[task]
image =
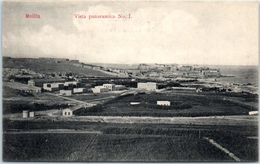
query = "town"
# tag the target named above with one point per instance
(65, 92)
(144, 78)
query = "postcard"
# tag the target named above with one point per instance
(130, 81)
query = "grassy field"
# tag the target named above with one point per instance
(91, 96)
(15, 103)
(127, 142)
(40, 66)
(181, 105)
(90, 147)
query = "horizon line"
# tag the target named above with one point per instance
(133, 63)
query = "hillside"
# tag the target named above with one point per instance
(43, 66)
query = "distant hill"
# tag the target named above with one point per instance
(52, 65)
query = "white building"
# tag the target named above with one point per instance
(99, 89)
(66, 92)
(149, 86)
(79, 90)
(67, 113)
(164, 103)
(25, 113)
(31, 114)
(71, 83)
(211, 73)
(253, 113)
(110, 87)
(52, 86)
(40, 82)
(135, 103)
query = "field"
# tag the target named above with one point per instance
(125, 142)
(38, 65)
(88, 97)
(90, 147)
(182, 104)
(15, 103)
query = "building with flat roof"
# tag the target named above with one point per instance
(149, 86)
(79, 90)
(135, 103)
(100, 89)
(40, 82)
(31, 114)
(71, 83)
(67, 112)
(25, 113)
(110, 87)
(211, 73)
(253, 112)
(53, 86)
(23, 87)
(164, 103)
(66, 92)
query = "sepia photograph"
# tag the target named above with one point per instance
(130, 81)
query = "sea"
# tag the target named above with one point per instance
(244, 78)
(239, 74)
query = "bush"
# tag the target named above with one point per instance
(87, 111)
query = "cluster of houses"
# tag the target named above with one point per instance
(149, 86)
(52, 85)
(67, 88)
(23, 87)
(190, 71)
(152, 86)
(162, 71)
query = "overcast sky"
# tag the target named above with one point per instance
(219, 33)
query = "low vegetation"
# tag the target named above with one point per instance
(19, 106)
(126, 142)
(181, 105)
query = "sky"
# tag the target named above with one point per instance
(181, 32)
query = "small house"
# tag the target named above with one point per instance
(67, 113)
(164, 103)
(31, 114)
(66, 92)
(110, 87)
(40, 82)
(149, 86)
(99, 89)
(71, 84)
(252, 113)
(25, 113)
(79, 90)
(135, 103)
(52, 86)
